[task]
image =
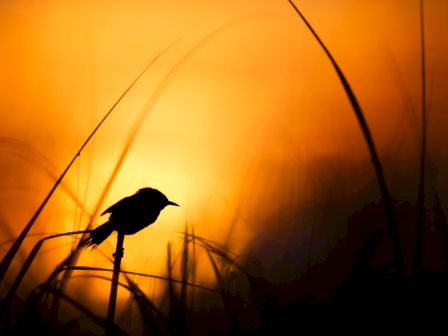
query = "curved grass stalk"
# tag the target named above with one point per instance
(7, 259)
(27, 264)
(87, 312)
(28, 236)
(151, 315)
(101, 277)
(28, 153)
(418, 250)
(391, 221)
(71, 260)
(146, 275)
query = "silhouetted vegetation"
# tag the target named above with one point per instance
(386, 272)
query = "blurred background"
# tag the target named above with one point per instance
(242, 121)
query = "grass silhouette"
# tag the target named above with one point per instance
(176, 299)
(392, 223)
(27, 264)
(138, 122)
(248, 303)
(417, 259)
(7, 259)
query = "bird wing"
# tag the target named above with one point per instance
(122, 204)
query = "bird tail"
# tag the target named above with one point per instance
(98, 235)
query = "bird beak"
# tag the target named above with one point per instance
(172, 203)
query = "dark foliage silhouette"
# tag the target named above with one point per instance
(130, 215)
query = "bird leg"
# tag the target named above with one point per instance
(118, 253)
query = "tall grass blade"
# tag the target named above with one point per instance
(9, 241)
(225, 254)
(173, 302)
(118, 255)
(101, 277)
(171, 292)
(141, 118)
(225, 297)
(392, 223)
(153, 318)
(74, 255)
(83, 309)
(7, 259)
(216, 271)
(418, 250)
(53, 276)
(27, 264)
(30, 154)
(193, 265)
(185, 270)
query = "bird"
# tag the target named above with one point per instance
(130, 215)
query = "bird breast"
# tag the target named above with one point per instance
(134, 221)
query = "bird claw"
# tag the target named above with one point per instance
(118, 254)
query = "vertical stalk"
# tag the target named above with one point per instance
(139, 122)
(114, 285)
(418, 251)
(7, 259)
(185, 270)
(27, 264)
(193, 265)
(171, 292)
(391, 221)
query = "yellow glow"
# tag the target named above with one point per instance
(259, 96)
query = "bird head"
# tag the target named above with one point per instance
(156, 197)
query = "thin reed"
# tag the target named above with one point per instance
(418, 250)
(7, 259)
(258, 307)
(392, 223)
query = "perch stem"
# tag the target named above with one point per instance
(388, 204)
(114, 285)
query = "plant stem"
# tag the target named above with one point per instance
(138, 122)
(27, 264)
(7, 259)
(114, 285)
(391, 221)
(417, 259)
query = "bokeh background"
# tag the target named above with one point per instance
(242, 121)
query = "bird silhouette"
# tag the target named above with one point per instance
(130, 215)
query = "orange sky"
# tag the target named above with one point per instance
(255, 106)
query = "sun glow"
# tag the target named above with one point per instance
(242, 106)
